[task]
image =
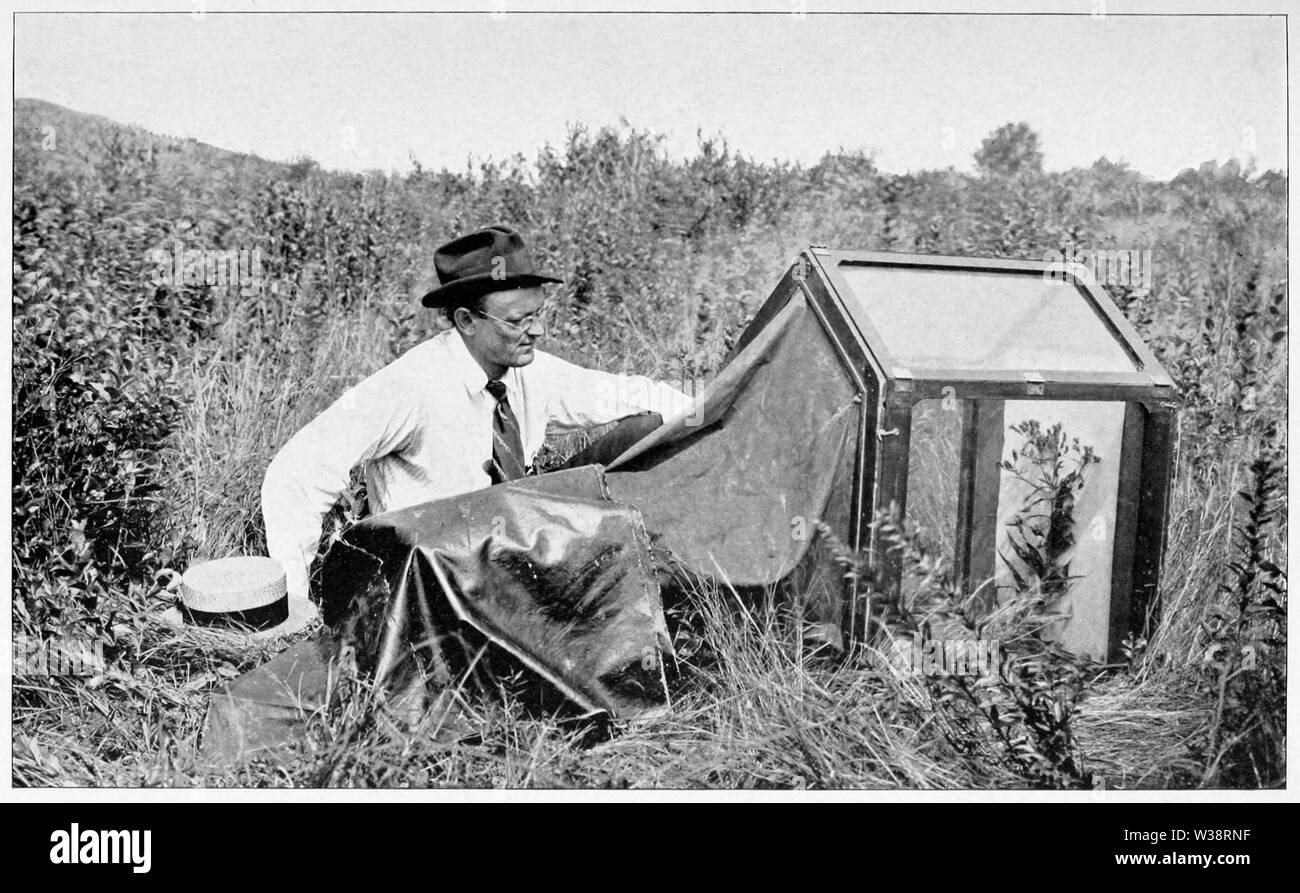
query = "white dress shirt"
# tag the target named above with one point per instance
(422, 426)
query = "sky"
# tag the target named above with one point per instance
(367, 91)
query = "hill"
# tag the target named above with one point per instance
(77, 138)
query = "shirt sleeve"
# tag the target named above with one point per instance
(583, 398)
(311, 471)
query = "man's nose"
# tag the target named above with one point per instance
(536, 327)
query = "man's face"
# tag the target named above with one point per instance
(508, 339)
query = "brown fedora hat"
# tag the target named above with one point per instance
(486, 260)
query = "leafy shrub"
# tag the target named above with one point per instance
(1014, 714)
(1244, 668)
(95, 394)
(1042, 530)
(1024, 705)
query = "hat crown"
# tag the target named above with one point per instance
(496, 251)
(236, 583)
(490, 259)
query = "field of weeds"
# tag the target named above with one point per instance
(147, 407)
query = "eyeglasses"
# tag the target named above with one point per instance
(524, 323)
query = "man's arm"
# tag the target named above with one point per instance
(584, 398)
(311, 471)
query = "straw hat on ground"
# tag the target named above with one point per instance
(242, 597)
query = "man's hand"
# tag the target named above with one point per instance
(305, 605)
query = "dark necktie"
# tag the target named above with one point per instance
(507, 445)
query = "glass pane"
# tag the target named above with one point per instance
(1067, 524)
(948, 319)
(933, 468)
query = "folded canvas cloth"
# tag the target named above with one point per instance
(548, 568)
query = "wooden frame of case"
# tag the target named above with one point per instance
(888, 393)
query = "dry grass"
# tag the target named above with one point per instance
(1135, 734)
(753, 708)
(246, 404)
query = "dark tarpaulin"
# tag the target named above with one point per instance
(261, 711)
(733, 491)
(548, 568)
(557, 568)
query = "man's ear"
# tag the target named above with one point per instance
(463, 319)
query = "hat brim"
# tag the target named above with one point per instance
(301, 613)
(481, 284)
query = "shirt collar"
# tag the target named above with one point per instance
(470, 372)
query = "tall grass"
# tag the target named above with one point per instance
(665, 261)
(247, 405)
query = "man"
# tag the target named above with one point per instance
(466, 409)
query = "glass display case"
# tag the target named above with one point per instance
(1008, 411)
